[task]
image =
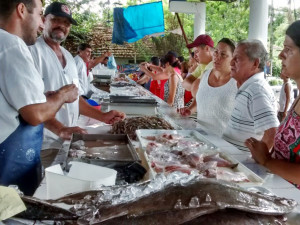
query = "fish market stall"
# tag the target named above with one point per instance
(191, 176)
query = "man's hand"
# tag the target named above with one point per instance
(107, 54)
(66, 132)
(69, 93)
(259, 150)
(112, 116)
(184, 111)
(284, 114)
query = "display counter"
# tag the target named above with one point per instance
(271, 182)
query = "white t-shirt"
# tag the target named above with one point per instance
(282, 96)
(87, 88)
(55, 77)
(82, 75)
(215, 104)
(20, 82)
(254, 112)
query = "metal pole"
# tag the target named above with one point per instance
(183, 33)
(271, 38)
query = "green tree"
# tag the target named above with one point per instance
(223, 20)
(229, 20)
(281, 19)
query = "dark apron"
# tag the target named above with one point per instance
(20, 162)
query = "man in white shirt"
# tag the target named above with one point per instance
(254, 114)
(82, 60)
(24, 106)
(58, 68)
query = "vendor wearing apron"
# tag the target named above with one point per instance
(24, 106)
(20, 157)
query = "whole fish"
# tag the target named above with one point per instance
(41, 210)
(198, 193)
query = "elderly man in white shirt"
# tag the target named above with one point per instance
(254, 114)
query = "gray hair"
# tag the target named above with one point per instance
(255, 49)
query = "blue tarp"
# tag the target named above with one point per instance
(135, 22)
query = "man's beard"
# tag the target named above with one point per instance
(57, 39)
(52, 35)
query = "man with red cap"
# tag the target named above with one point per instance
(203, 47)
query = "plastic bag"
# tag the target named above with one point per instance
(111, 64)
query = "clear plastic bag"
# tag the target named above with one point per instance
(111, 64)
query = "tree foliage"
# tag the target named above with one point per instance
(229, 20)
(223, 20)
(281, 20)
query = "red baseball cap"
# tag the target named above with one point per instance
(202, 39)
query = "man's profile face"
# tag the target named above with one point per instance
(241, 65)
(200, 53)
(33, 23)
(86, 54)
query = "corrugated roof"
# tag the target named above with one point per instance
(100, 41)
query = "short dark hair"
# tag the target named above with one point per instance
(82, 47)
(8, 6)
(171, 58)
(228, 42)
(293, 32)
(162, 62)
(172, 53)
(155, 60)
(180, 58)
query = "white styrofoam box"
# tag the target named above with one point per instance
(81, 177)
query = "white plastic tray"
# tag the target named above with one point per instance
(188, 135)
(254, 179)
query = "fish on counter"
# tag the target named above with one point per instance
(179, 195)
(197, 194)
(171, 155)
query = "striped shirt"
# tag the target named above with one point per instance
(254, 112)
